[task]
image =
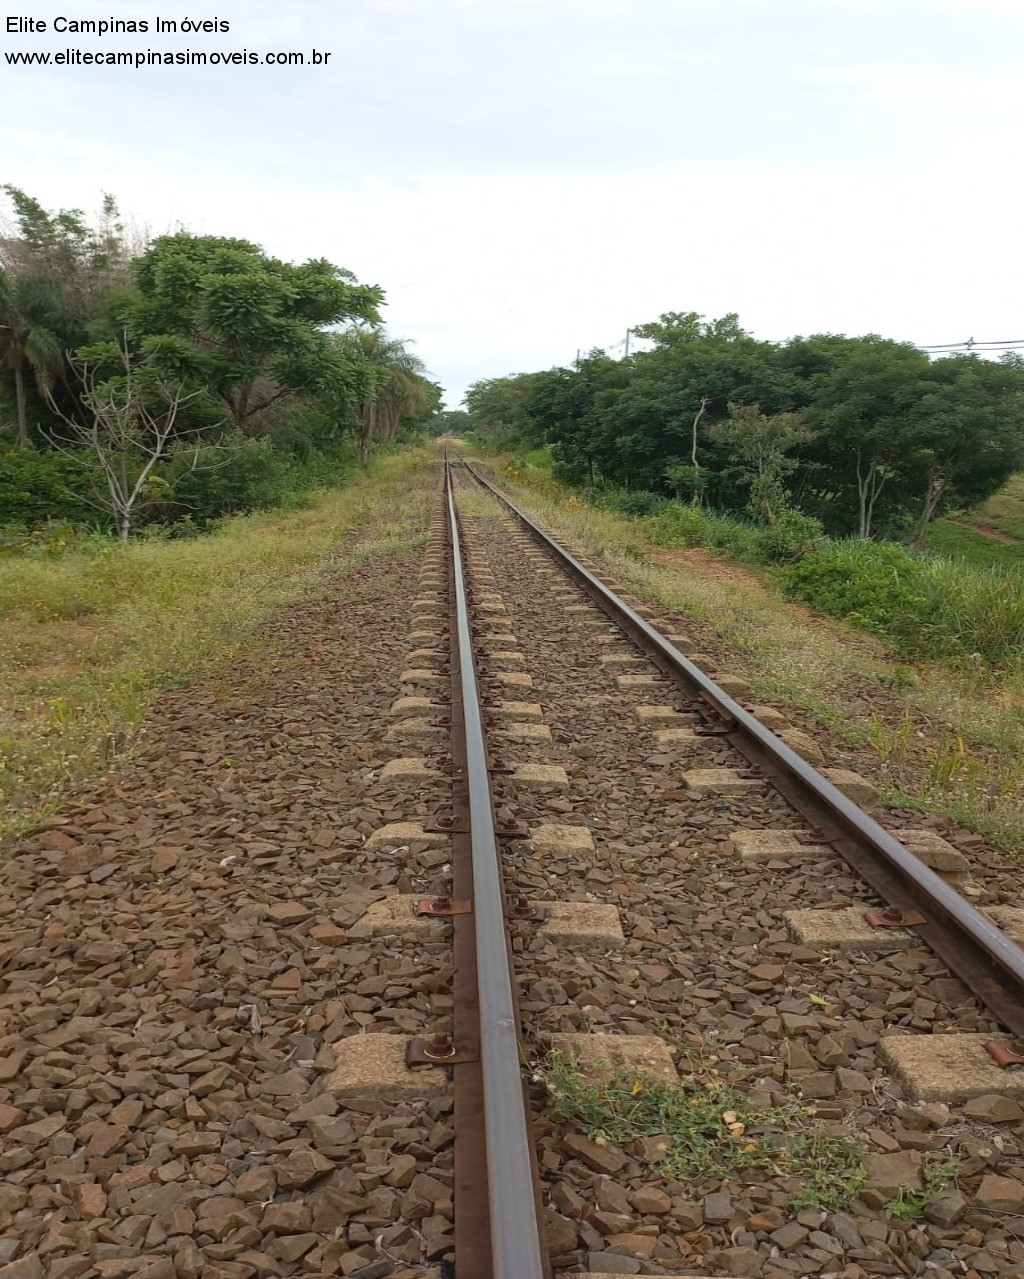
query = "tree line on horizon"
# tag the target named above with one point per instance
(868, 436)
(182, 377)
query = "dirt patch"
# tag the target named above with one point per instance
(696, 560)
(708, 566)
(986, 530)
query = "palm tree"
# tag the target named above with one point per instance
(30, 309)
(401, 388)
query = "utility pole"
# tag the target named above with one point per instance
(628, 331)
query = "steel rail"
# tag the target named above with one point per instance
(985, 959)
(518, 1250)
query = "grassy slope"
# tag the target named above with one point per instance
(89, 637)
(949, 741)
(1004, 512)
(958, 542)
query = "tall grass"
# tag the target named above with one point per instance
(927, 607)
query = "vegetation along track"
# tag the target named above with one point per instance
(216, 964)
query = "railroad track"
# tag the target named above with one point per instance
(494, 827)
(501, 1232)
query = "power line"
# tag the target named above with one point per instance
(969, 345)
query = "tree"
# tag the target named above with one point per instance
(697, 482)
(912, 437)
(861, 415)
(763, 445)
(499, 412)
(423, 415)
(132, 414)
(966, 434)
(678, 328)
(454, 422)
(398, 388)
(31, 310)
(221, 313)
(565, 406)
(86, 263)
(59, 269)
(644, 427)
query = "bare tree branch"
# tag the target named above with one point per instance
(125, 437)
(705, 400)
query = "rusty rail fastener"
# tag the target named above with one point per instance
(521, 908)
(512, 830)
(892, 917)
(441, 907)
(445, 826)
(437, 1049)
(1003, 1055)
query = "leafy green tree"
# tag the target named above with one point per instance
(451, 422)
(222, 314)
(861, 433)
(861, 414)
(965, 434)
(763, 445)
(901, 434)
(682, 328)
(806, 360)
(31, 314)
(659, 418)
(567, 407)
(398, 388)
(499, 412)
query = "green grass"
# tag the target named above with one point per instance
(539, 458)
(927, 607)
(956, 542)
(1004, 511)
(91, 634)
(715, 1131)
(909, 1205)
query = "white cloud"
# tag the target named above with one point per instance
(526, 177)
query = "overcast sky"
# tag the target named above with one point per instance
(529, 177)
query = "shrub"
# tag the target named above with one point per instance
(36, 487)
(51, 539)
(239, 474)
(927, 607)
(791, 536)
(732, 536)
(875, 585)
(677, 526)
(324, 469)
(635, 501)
